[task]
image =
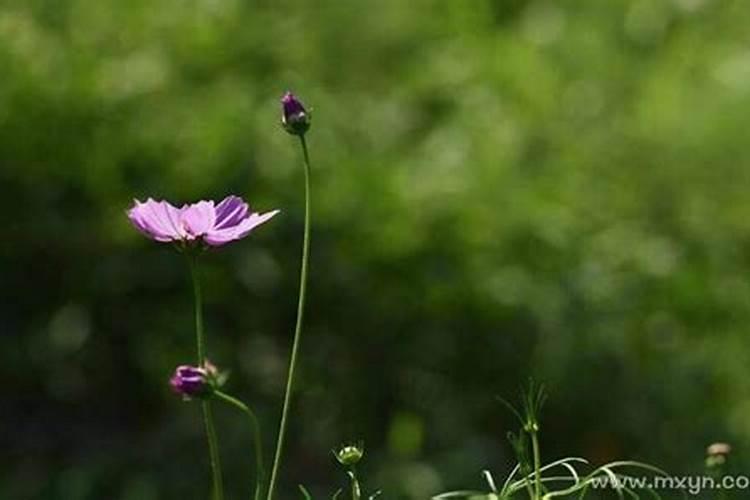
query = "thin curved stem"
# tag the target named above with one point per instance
(356, 490)
(258, 443)
(297, 328)
(208, 419)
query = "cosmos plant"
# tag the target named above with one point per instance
(191, 229)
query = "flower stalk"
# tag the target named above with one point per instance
(356, 490)
(537, 465)
(298, 326)
(198, 301)
(208, 419)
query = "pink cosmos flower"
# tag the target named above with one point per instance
(214, 224)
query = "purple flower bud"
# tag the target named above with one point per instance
(194, 381)
(294, 116)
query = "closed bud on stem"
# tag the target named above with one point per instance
(716, 454)
(294, 117)
(349, 454)
(196, 381)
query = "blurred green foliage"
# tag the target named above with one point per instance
(501, 188)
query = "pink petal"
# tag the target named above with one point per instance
(230, 212)
(171, 219)
(198, 218)
(155, 219)
(223, 236)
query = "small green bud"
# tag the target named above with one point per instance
(716, 455)
(349, 454)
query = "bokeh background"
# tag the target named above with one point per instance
(502, 189)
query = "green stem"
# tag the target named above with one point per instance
(208, 419)
(356, 490)
(537, 465)
(530, 490)
(198, 298)
(259, 473)
(297, 328)
(213, 450)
